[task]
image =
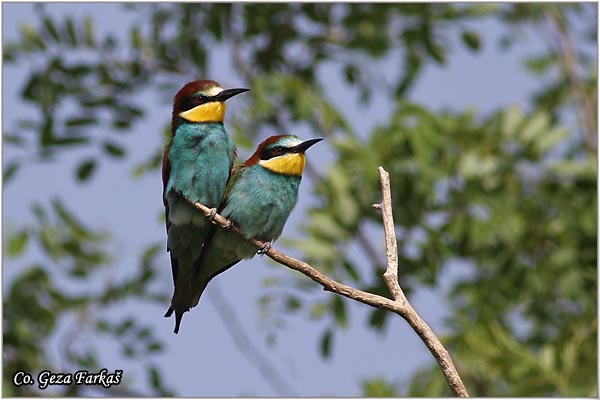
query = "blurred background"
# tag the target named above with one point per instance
(485, 115)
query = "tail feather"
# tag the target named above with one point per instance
(192, 272)
(178, 317)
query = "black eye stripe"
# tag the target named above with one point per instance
(268, 153)
(190, 102)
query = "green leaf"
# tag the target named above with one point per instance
(124, 326)
(436, 51)
(129, 350)
(326, 340)
(154, 377)
(86, 169)
(156, 382)
(549, 140)
(339, 311)
(51, 29)
(293, 303)
(121, 124)
(351, 73)
(135, 38)
(88, 28)
(377, 319)
(351, 270)
(154, 347)
(318, 310)
(475, 165)
(32, 36)
(71, 32)
(17, 243)
(511, 119)
(534, 127)
(144, 333)
(472, 40)
(9, 172)
(69, 141)
(378, 388)
(80, 121)
(103, 326)
(547, 358)
(114, 150)
(540, 64)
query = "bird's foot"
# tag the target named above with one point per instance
(229, 225)
(263, 250)
(211, 216)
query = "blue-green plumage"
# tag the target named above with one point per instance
(196, 167)
(201, 157)
(259, 199)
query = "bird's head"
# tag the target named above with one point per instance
(201, 101)
(283, 154)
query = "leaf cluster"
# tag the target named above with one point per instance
(68, 288)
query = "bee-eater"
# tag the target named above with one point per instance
(260, 196)
(197, 163)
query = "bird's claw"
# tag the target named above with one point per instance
(264, 249)
(211, 215)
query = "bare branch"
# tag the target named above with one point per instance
(391, 280)
(399, 305)
(391, 245)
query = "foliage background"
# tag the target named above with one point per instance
(493, 179)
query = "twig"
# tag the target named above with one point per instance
(390, 275)
(569, 63)
(399, 305)
(410, 314)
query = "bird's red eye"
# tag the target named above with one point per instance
(278, 150)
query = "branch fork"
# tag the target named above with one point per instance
(399, 304)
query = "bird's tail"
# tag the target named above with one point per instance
(178, 316)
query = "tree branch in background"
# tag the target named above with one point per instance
(570, 64)
(244, 344)
(398, 305)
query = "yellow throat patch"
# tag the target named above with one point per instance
(288, 164)
(208, 112)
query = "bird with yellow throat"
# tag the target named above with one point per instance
(260, 196)
(197, 163)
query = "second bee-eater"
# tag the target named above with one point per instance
(197, 163)
(259, 199)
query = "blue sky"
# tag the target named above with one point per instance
(203, 360)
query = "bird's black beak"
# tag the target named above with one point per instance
(302, 147)
(229, 93)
